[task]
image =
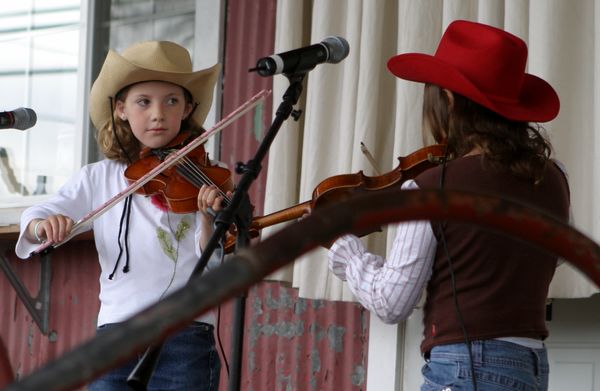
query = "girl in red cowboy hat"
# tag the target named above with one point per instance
(484, 314)
(143, 97)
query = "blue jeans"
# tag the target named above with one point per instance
(188, 361)
(499, 366)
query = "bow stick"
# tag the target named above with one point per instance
(171, 160)
(367, 153)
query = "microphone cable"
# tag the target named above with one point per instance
(218, 324)
(453, 281)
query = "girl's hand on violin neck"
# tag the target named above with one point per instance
(55, 229)
(210, 200)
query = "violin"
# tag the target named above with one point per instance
(178, 185)
(344, 186)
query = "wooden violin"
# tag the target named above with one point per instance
(178, 185)
(341, 187)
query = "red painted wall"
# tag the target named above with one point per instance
(73, 305)
(250, 33)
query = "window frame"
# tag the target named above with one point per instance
(94, 43)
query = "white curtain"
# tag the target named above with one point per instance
(358, 100)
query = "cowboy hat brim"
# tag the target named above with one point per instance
(537, 102)
(117, 73)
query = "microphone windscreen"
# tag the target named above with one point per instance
(24, 118)
(338, 48)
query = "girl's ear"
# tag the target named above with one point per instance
(120, 110)
(187, 111)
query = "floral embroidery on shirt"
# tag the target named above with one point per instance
(166, 242)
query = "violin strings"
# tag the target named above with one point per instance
(197, 177)
(193, 174)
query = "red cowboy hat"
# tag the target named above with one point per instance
(486, 65)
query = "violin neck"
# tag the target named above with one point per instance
(288, 214)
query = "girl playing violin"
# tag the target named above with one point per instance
(142, 98)
(484, 314)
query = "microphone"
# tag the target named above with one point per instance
(331, 49)
(21, 118)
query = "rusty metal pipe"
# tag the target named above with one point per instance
(250, 265)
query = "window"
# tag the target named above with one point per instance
(49, 61)
(39, 70)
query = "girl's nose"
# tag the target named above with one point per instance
(157, 113)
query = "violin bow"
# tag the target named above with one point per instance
(369, 156)
(170, 161)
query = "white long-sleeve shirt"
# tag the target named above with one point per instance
(163, 247)
(391, 288)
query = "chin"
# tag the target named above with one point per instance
(157, 142)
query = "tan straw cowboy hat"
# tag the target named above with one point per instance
(151, 61)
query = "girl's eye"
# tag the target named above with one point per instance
(142, 102)
(172, 101)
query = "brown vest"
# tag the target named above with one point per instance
(501, 283)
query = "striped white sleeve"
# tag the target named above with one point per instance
(390, 288)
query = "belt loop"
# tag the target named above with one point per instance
(477, 348)
(537, 362)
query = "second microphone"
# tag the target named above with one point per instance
(331, 50)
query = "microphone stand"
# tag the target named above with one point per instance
(239, 210)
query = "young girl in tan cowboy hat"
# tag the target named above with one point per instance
(142, 98)
(484, 315)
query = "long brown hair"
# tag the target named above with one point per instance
(121, 144)
(516, 146)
